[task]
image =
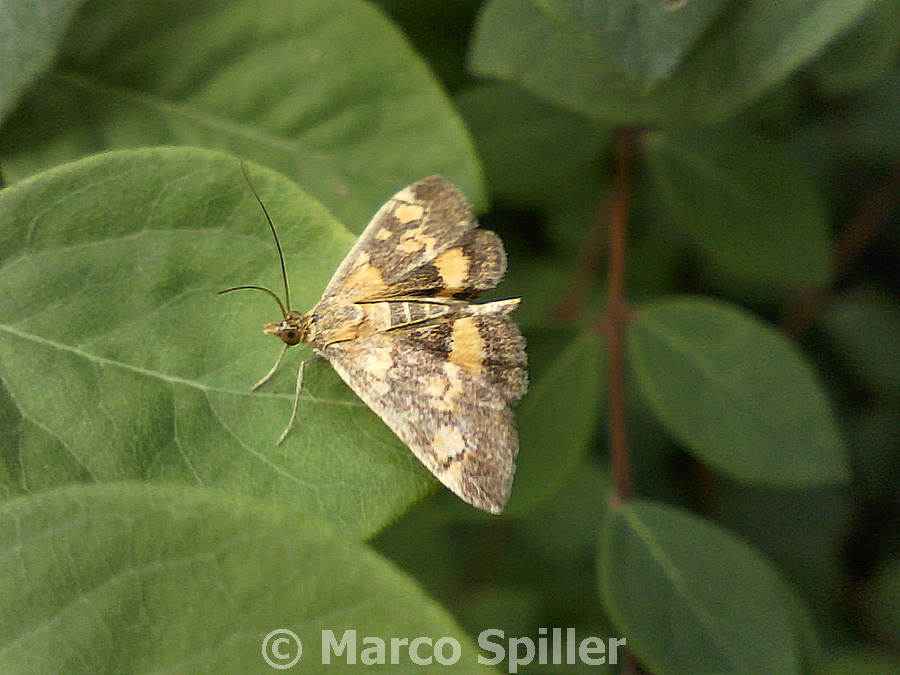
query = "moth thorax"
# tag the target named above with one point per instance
(333, 322)
(293, 329)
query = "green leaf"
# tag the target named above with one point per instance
(747, 203)
(736, 393)
(558, 416)
(440, 33)
(864, 325)
(862, 133)
(566, 527)
(756, 45)
(543, 281)
(510, 609)
(424, 547)
(30, 33)
(330, 94)
(125, 364)
(808, 546)
(136, 578)
(646, 40)
(873, 439)
(532, 149)
(864, 53)
(872, 661)
(691, 597)
(883, 603)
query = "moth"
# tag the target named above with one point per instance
(398, 324)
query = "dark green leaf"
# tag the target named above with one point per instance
(747, 203)
(129, 578)
(864, 53)
(808, 546)
(863, 132)
(532, 149)
(566, 526)
(330, 94)
(121, 362)
(422, 545)
(736, 393)
(557, 417)
(544, 283)
(863, 662)
(30, 33)
(758, 44)
(873, 439)
(864, 325)
(883, 602)
(645, 40)
(691, 597)
(512, 610)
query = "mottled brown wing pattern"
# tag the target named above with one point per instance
(423, 242)
(445, 388)
(396, 324)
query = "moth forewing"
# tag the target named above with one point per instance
(397, 324)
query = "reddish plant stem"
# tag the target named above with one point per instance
(586, 270)
(617, 314)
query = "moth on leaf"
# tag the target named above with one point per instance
(397, 323)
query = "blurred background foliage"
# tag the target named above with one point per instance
(836, 116)
(765, 183)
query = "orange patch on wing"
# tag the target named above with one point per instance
(453, 266)
(365, 278)
(415, 240)
(467, 345)
(408, 213)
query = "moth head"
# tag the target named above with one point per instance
(293, 329)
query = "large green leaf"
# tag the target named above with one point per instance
(532, 149)
(644, 40)
(328, 93)
(736, 393)
(132, 578)
(30, 33)
(862, 55)
(757, 44)
(692, 598)
(747, 203)
(119, 361)
(808, 546)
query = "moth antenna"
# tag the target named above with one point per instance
(257, 288)
(284, 277)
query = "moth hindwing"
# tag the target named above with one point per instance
(397, 323)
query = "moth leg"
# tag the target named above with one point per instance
(297, 390)
(268, 376)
